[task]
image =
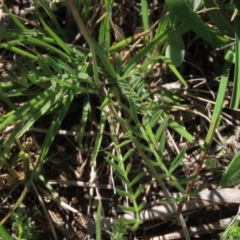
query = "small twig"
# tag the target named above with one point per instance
(198, 230)
(45, 212)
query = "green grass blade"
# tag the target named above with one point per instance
(104, 33)
(28, 109)
(32, 41)
(186, 14)
(174, 125)
(218, 19)
(7, 100)
(18, 50)
(143, 52)
(218, 106)
(178, 159)
(14, 18)
(41, 43)
(150, 132)
(99, 136)
(161, 129)
(4, 234)
(52, 62)
(98, 221)
(32, 67)
(106, 62)
(231, 176)
(44, 66)
(235, 100)
(144, 10)
(45, 108)
(52, 131)
(53, 18)
(57, 39)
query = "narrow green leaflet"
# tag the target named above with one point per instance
(44, 66)
(177, 161)
(178, 128)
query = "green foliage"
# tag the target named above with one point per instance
(123, 171)
(98, 221)
(212, 165)
(51, 73)
(231, 232)
(188, 17)
(175, 50)
(4, 234)
(21, 226)
(119, 230)
(231, 176)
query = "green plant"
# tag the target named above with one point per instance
(231, 176)
(119, 230)
(212, 164)
(4, 234)
(51, 74)
(21, 226)
(232, 231)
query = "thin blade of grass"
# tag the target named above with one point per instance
(235, 100)
(28, 109)
(53, 18)
(45, 108)
(186, 14)
(218, 19)
(52, 131)
(231, 176)
(14, 18)
(4, 234)
(177, 161)
(18, 51)
(46, 145)
(219, 105)
(7, 100)
(57, 39)
(174, 125)
(144, 51)
(98, 221)
(144, 11)
(99, 136)
(104, 33)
